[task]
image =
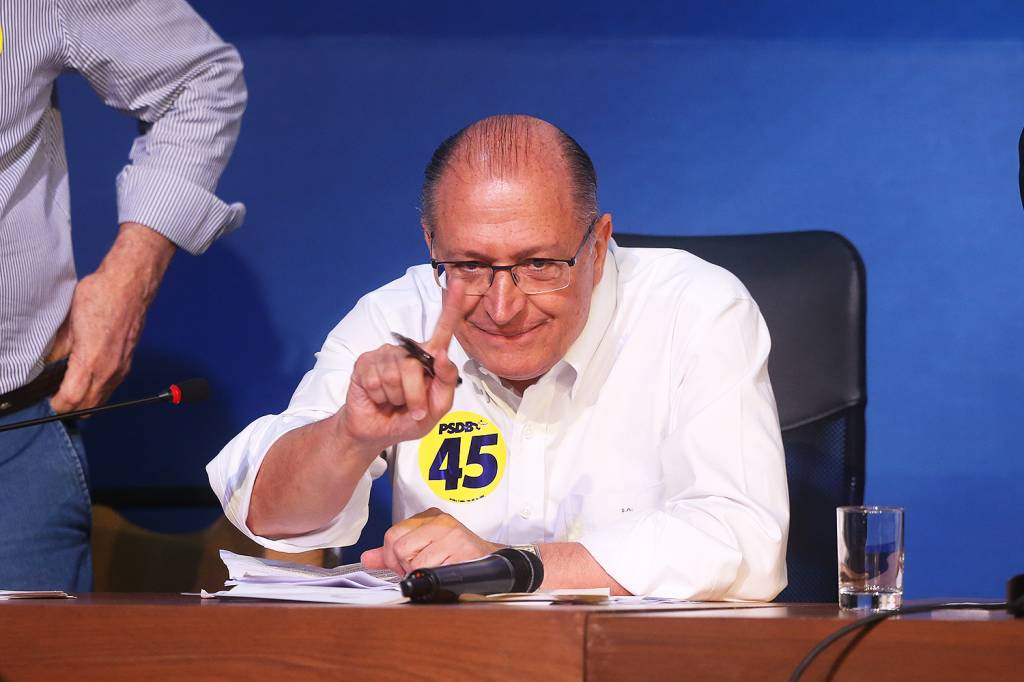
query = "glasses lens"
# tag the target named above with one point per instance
(441, 277)
(534, 277)
(538, 277)
(475, 277)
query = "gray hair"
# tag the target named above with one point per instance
(502, 143)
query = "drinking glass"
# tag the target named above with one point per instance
(870, 542)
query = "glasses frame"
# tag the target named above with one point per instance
(510, 269)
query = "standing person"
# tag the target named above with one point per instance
(66, 343)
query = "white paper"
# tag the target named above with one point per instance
(357, 580)
(255, 578)
(34, 594)
(316, 593)
(249, 569)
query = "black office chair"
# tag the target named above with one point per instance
(810, 289)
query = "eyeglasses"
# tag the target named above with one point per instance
(532, 276)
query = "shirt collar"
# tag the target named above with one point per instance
(602, 307)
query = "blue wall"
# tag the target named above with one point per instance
(894, 126)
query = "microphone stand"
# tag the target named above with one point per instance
(189, 391)
(82, 413)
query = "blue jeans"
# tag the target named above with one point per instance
(45, 512)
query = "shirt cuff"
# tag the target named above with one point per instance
(187, 214)
(233, 474)
(656, 554)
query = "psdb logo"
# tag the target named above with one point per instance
(458, 427)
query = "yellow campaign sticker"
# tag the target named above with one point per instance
(1, 39)
(463, 458)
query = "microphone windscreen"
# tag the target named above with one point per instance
(527, 569)
(190, 391)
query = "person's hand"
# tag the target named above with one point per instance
(390, 396)
(430, 538)
(107, 313)
(98, 337)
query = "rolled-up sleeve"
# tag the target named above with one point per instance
(162, 64)
(720, 531)
(233, 473)
(320, 394)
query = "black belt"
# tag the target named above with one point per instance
(43, 386)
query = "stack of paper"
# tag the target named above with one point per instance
(252, 577)
(256, 578)
(34, 594)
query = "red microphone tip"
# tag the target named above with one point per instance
(189, 391)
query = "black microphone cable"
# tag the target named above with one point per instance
(869, 622)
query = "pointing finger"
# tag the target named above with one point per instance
(451, 314)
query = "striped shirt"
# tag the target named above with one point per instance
(156, 61)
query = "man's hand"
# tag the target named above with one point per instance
(391, 398)
(433, 538)
(309, 473)
(430, 538)
(107, 313)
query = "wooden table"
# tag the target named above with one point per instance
(134, 637)
(768, 644)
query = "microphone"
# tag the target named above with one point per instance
(191, 391)
(507, 570)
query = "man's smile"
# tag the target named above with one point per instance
(508, 334)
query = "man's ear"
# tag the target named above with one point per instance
(602, 233)
(427, 235)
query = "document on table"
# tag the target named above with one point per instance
(247, 569)
(34, 594)
(255, 578)
(316, 593)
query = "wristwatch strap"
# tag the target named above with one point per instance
(532, 549)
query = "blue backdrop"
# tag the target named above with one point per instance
(896, 126)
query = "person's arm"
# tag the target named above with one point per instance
(434, 538)
(307, 477)
(162, 64)
(721, 531)
(106, 317)
(309, 474)
(569, 564)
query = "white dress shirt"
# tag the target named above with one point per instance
(655, 442)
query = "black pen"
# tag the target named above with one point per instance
(417, 351)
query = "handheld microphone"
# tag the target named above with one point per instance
(507, 570)
(191, 391)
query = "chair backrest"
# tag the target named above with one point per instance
(810, 289)
(130, 558)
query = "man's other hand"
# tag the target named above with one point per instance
(107, 313)
(430, 538)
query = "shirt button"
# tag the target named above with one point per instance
(528, 432)
(525, 512)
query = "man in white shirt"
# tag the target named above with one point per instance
(609, 406)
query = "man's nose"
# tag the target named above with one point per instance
(504, 300)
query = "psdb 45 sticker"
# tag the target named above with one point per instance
(463, 458)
